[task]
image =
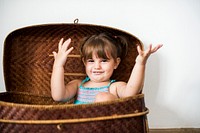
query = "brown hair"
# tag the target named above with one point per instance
(104, 45)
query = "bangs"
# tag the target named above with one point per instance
(98, 50)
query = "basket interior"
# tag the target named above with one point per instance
(28, 56)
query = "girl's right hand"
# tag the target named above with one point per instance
(63, 52)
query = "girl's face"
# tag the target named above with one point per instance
(99, 69)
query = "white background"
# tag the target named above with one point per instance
(172, 87)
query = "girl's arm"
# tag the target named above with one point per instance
(136, 80)
(59, 91)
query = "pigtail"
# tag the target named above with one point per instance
(122, 42)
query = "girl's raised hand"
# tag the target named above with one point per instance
(63, 52)
(144, 54)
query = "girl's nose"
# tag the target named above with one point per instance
(97, 65)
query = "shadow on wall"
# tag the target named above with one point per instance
(160, 116)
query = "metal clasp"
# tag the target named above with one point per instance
(76, 21)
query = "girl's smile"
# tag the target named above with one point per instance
(97, 72)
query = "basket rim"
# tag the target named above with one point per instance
(77, 120)
(119, 100)
(70, 23)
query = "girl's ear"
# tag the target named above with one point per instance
(83, 61)
(117, 63)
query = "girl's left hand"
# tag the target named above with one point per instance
(144, 54)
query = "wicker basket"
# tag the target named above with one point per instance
(27, 105)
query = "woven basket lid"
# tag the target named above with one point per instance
(28, 59)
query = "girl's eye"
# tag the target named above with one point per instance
(90, 60)
(104, 60)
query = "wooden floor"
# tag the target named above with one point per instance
(176, 130)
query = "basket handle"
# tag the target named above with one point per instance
(76, 21)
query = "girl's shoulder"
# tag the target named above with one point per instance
(119, 83)
(117, 87)
(76, 82)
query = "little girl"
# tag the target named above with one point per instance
(101, 54)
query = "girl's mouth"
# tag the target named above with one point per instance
(97, 72)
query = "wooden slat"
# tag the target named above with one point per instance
(73, 74)
(72, 55)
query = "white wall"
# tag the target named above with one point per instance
(172, 86)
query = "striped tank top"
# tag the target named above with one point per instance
(87, 95)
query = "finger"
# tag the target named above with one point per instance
(160, 45)
(54, 54)
(66, 44)
(149, 49)
(156, 48)
(69, 50)
(139, 49)
(60, 44)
